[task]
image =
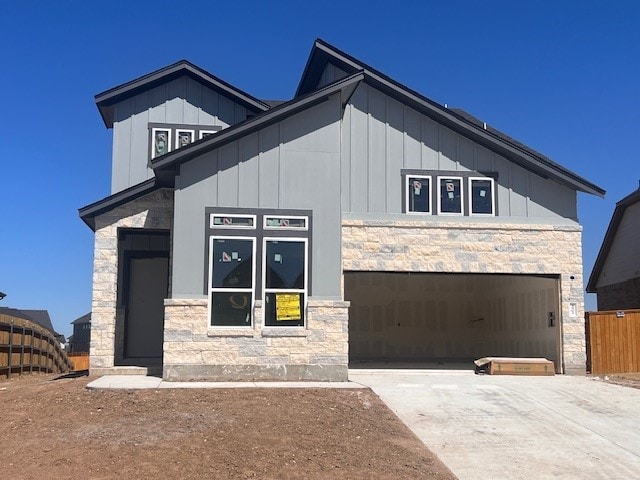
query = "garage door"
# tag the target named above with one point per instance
(420, 317)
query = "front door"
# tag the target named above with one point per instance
(144, 322)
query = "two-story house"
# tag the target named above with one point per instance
(359, 221)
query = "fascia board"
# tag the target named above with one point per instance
(108, 98)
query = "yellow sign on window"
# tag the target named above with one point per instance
(287, 307)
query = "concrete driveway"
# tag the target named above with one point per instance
(506, 427)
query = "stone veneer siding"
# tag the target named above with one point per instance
(195, 351)
(151, 211)
(619, 296)
(457, 247)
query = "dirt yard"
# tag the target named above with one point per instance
(58, 429)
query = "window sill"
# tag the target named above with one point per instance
(223, 332)
(285, 332)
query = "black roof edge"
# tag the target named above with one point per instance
(89, 212)
(172, 160)
(495, 141)
(609, 236)
(86, 318)
(108, 98)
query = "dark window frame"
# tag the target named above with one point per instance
(174, 128)
(259, 232)
(435, 190)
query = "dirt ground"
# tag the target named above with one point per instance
(626, 379)
(56, 428)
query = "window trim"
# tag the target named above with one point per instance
(493, 196)
(295, 229)
(406, 189)
(212, 290)
(304, 290)
(184, 130)
(439, 194)
(202, 133)
(233, 215)
(153, 139)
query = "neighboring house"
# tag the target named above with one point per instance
(615, 277)
(79, 341)
(359, 221)
(39, 317)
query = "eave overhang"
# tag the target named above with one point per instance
(107, 99)
(90, 212)
(323, 53)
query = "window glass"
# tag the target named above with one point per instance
(206, 133)
(184, 138)
(419, 194)
(232, 263)
(450, 195)
(285, 222)
(231, 309)
(284, 264)
(284, 309)
(482, 196)
(233, 221)
(285, 287)
(161, 141)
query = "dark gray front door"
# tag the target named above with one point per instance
(147, 289)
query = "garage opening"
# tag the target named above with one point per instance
(451, 318)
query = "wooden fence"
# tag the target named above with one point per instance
(613, 341)
(79, 361)
(26, 347)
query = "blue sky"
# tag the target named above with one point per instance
(560, 76)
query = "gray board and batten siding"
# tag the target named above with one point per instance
(292, 164)
(182, 101)
(382, 136)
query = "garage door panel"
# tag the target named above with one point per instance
(422, 316)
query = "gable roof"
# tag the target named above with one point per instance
(86, 318)
(107, 99)
(39, 317)
(459, 121)
(609, 237)
(166, 165)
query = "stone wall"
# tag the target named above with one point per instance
(619, 296)
(195, 351)
(151, 211)
(457, 247)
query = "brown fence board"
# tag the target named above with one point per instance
(613, 341)
(80, 361)
(26, 346)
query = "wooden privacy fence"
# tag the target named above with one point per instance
(79, 361)
(26, 347)
(613, 341)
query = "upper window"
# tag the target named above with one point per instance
(161, 138)
(481, 198)
(450, 196)
(231, 220)
(184, 137)
(418, 194)
(273, 222)
(166, 138)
